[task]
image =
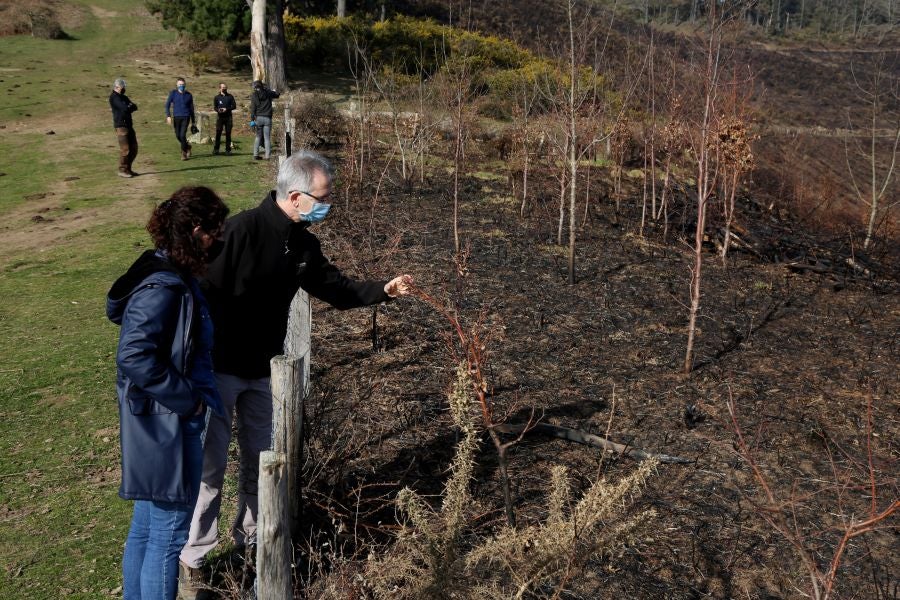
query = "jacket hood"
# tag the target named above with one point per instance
(150, 267)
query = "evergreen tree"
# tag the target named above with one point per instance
(204, 19)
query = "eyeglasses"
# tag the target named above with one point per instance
(326, 199)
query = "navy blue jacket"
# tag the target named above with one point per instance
(164, 361)
(181, 103)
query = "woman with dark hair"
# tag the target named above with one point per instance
(165, 385)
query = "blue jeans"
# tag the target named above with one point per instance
(159, 530)
(263, 134)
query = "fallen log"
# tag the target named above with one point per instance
(589, 439)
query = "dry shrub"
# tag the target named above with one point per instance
(317, 122)
(433, 557)
(39, 19)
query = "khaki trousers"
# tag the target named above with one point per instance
(251, 401)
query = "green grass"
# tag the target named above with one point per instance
(62, 526)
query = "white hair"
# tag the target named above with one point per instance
(298, 170)
(119, 83)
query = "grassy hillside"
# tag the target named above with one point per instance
(69, 227)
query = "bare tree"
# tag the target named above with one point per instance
(258, 46)
(881, 88)
(359, 130)
(576, 102)
(457, 92)
(734, 155)
(267, 42)
(699, 135)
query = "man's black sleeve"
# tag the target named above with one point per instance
(326, 282)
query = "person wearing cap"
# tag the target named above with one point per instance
(180, 112)
(261, 117)
(122, 107)
(269, 253)
(223, 104)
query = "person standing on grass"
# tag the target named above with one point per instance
(269, 254)
(223, 104)
(122, 107)
(165, 385)
(261, 117)
(180, 104)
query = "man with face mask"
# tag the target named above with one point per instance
(223, 104)
(180, 111)
(122, 107)
(269, 253)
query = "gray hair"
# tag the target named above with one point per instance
(119, 83)
(298, 170)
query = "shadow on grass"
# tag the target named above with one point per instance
(204, 168)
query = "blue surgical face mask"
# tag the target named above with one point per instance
(181, 87)
(317, 214)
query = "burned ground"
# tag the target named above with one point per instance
(800, 351)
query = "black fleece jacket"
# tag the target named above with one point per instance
(261, 103)
(250, 285)
(122, 107)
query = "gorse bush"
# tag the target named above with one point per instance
(437, 556)
(415, 47)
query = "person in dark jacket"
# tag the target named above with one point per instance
(223, 104)
(269, 254)
(261, 117)
(180, 104)
(165, 385)
(122, 107)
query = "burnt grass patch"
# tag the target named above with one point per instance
(801, 352)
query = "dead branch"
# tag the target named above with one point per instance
(588, 439)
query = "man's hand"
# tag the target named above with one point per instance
(169, 120)
(398, 286)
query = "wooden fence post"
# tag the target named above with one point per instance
(273, 553)
(288, 131)
(287, 427)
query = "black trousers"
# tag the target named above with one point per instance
(181, 127)
(223, 121)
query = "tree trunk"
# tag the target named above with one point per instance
(341, 8)
(275, 67)
(562, 196)
(258, 39)
(573, 159)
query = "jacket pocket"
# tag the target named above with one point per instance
(140, 404)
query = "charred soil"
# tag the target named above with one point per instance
(801, 333)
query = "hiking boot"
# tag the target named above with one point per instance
(189, 152)
(125, 174)
(190, 583)
(215, 152)
(228, 153)
(184, 155)
(257, 158)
